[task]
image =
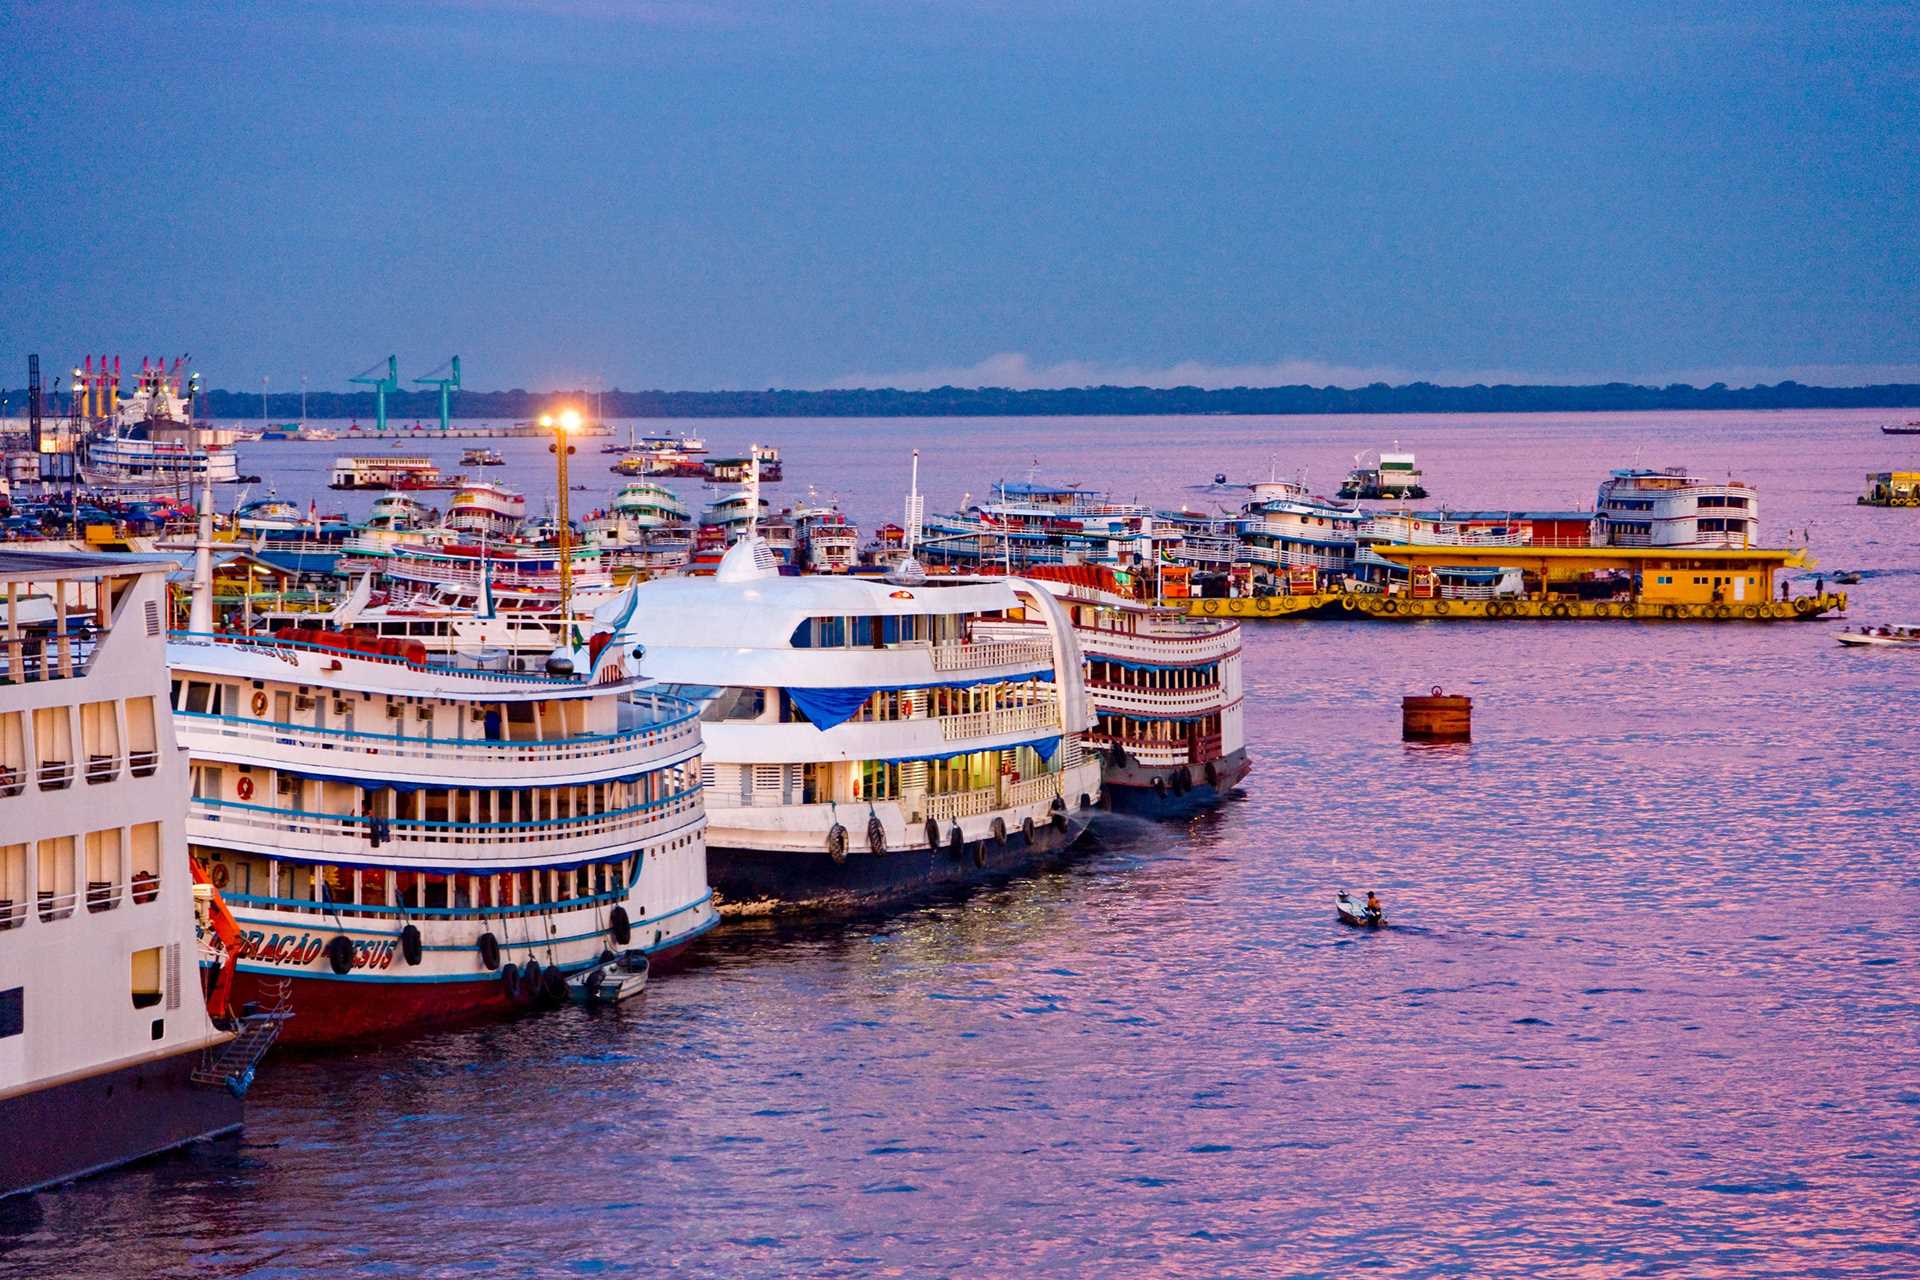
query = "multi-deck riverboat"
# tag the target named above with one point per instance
(1669, 508)
(375, 471)
(411, 842)
(1030, 523)
(483, 509)
(865, 740)
(1165, 689)
(107, 1049)
(825, 541)
(1383, 476)
(151, 442)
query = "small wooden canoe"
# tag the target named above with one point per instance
(1350, 911)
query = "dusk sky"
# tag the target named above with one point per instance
(731, 193)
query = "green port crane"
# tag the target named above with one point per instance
(381, 385)
(448, 384)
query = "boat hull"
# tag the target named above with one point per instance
(330, 1011)
(765, 881)
(1130, 788)
(110, 1118)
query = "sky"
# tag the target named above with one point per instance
(703, 194)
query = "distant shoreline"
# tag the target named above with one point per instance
(999, 402)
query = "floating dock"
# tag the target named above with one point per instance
(1665, 584)
(1401, 608)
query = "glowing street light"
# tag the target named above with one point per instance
(565, 425)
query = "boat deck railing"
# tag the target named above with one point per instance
(655, 737)
(972, 655)
(272, 644)
(512, 843)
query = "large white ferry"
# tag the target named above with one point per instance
(412, 842)
(103, 1025)
(152, 441)
(1669, 508)
(864, 739)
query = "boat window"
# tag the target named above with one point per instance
(13, 885)
(143, 754)
(197, 696)
(55, 886)
(735, 704)
(146, 977)
(143, 843)
(13, 753)
(105, 869)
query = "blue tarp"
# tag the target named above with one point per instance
(833, 706)
(1044, 746)
(830, 707)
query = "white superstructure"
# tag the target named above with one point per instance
(862, 737)
(414, 841)
(102, 1019)
(1670, 508)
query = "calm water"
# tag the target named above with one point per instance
(1651, 1010)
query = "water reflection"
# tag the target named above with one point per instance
(1648, 1004)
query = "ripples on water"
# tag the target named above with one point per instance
(1649, 1008)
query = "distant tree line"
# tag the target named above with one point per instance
(886, 402)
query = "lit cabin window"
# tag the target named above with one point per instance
(146, 978)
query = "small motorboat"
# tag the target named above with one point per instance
(618, 979)
(1895, 637)
(1847, 579)
(1355, 913)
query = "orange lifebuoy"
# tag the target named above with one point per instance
(244, 788)
(259, 702)
(218, 875)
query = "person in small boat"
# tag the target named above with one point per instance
(1373, 904)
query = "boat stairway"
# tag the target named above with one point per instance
(232, 1064)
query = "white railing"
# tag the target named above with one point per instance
(1155, 701)
(990, 653)
(987, 724)
(430, 842)
(55, 774)
(307, 747)
(1012, 795)
(103, 768)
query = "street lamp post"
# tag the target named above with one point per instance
(563, 428)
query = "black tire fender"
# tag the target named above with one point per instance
(933, 834)
(1026, 829)
(1000, 832)
(410, 944)
(837, 842)
(876, 835)
(531, 976)
(620, 926)
(339, 953)
(489, 951)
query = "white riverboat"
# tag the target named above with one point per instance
(411, 842)
(865, 740)
(151, 441)
(107, 1049)
(1166, 690)
(483, 509)
(1669, 508)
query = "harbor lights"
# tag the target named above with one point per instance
(563, 427)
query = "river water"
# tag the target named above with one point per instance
(1649, 1007)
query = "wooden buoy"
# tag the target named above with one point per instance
(1436, 717)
